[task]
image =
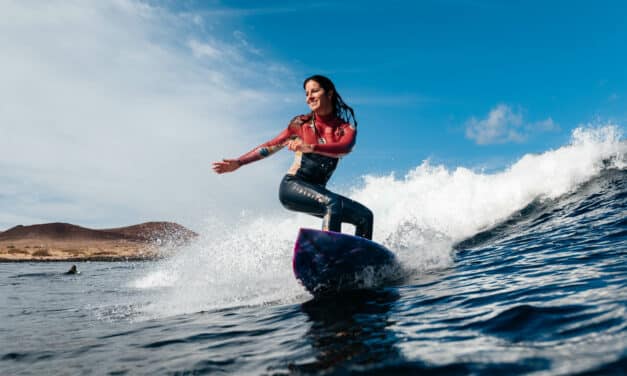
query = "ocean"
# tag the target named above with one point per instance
(521, 271)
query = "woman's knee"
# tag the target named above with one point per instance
(334, 204)
(285, 196)
(369, 215)
(366, 216)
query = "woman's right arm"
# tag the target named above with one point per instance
(262, 151)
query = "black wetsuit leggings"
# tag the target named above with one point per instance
(300, 195)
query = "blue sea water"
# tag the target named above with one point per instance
(535, 284)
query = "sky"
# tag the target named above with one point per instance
(111, 111)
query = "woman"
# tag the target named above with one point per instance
(318, 139)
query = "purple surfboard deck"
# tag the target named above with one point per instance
(328, 262)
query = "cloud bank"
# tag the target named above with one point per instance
(112, 111)
(503, 125)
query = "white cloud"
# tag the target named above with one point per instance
(200, 49)
(500, 126)
(547, 125)
(503, 125)
(243, 41)
(109, 115)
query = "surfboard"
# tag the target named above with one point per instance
(327, 262)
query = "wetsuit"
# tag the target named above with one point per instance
(303, 188)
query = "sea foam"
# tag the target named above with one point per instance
(423, 214)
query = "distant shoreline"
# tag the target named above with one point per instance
(64, 242)
(86, 259)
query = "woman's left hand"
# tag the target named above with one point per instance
(299, 145)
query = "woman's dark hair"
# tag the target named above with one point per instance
(340, 108)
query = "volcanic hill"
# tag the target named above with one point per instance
(65, 242)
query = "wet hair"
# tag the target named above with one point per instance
(340, 108)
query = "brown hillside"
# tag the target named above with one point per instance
(65, 242)
(153, 231)
(150, 231)
(56, 231)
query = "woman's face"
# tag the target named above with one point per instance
(318, 100)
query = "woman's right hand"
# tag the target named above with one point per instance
(297, 144)
(226, 165)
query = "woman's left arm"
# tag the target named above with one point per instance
(341, 146)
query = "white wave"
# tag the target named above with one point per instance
(249, 263)
(419, 216)
(432, 207)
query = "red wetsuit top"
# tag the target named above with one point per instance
(330, 136)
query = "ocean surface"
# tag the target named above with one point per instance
(520, 271)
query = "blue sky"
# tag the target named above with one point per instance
(111, 111)
(417, 72)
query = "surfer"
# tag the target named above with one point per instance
(318, 139)
(73, 270)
